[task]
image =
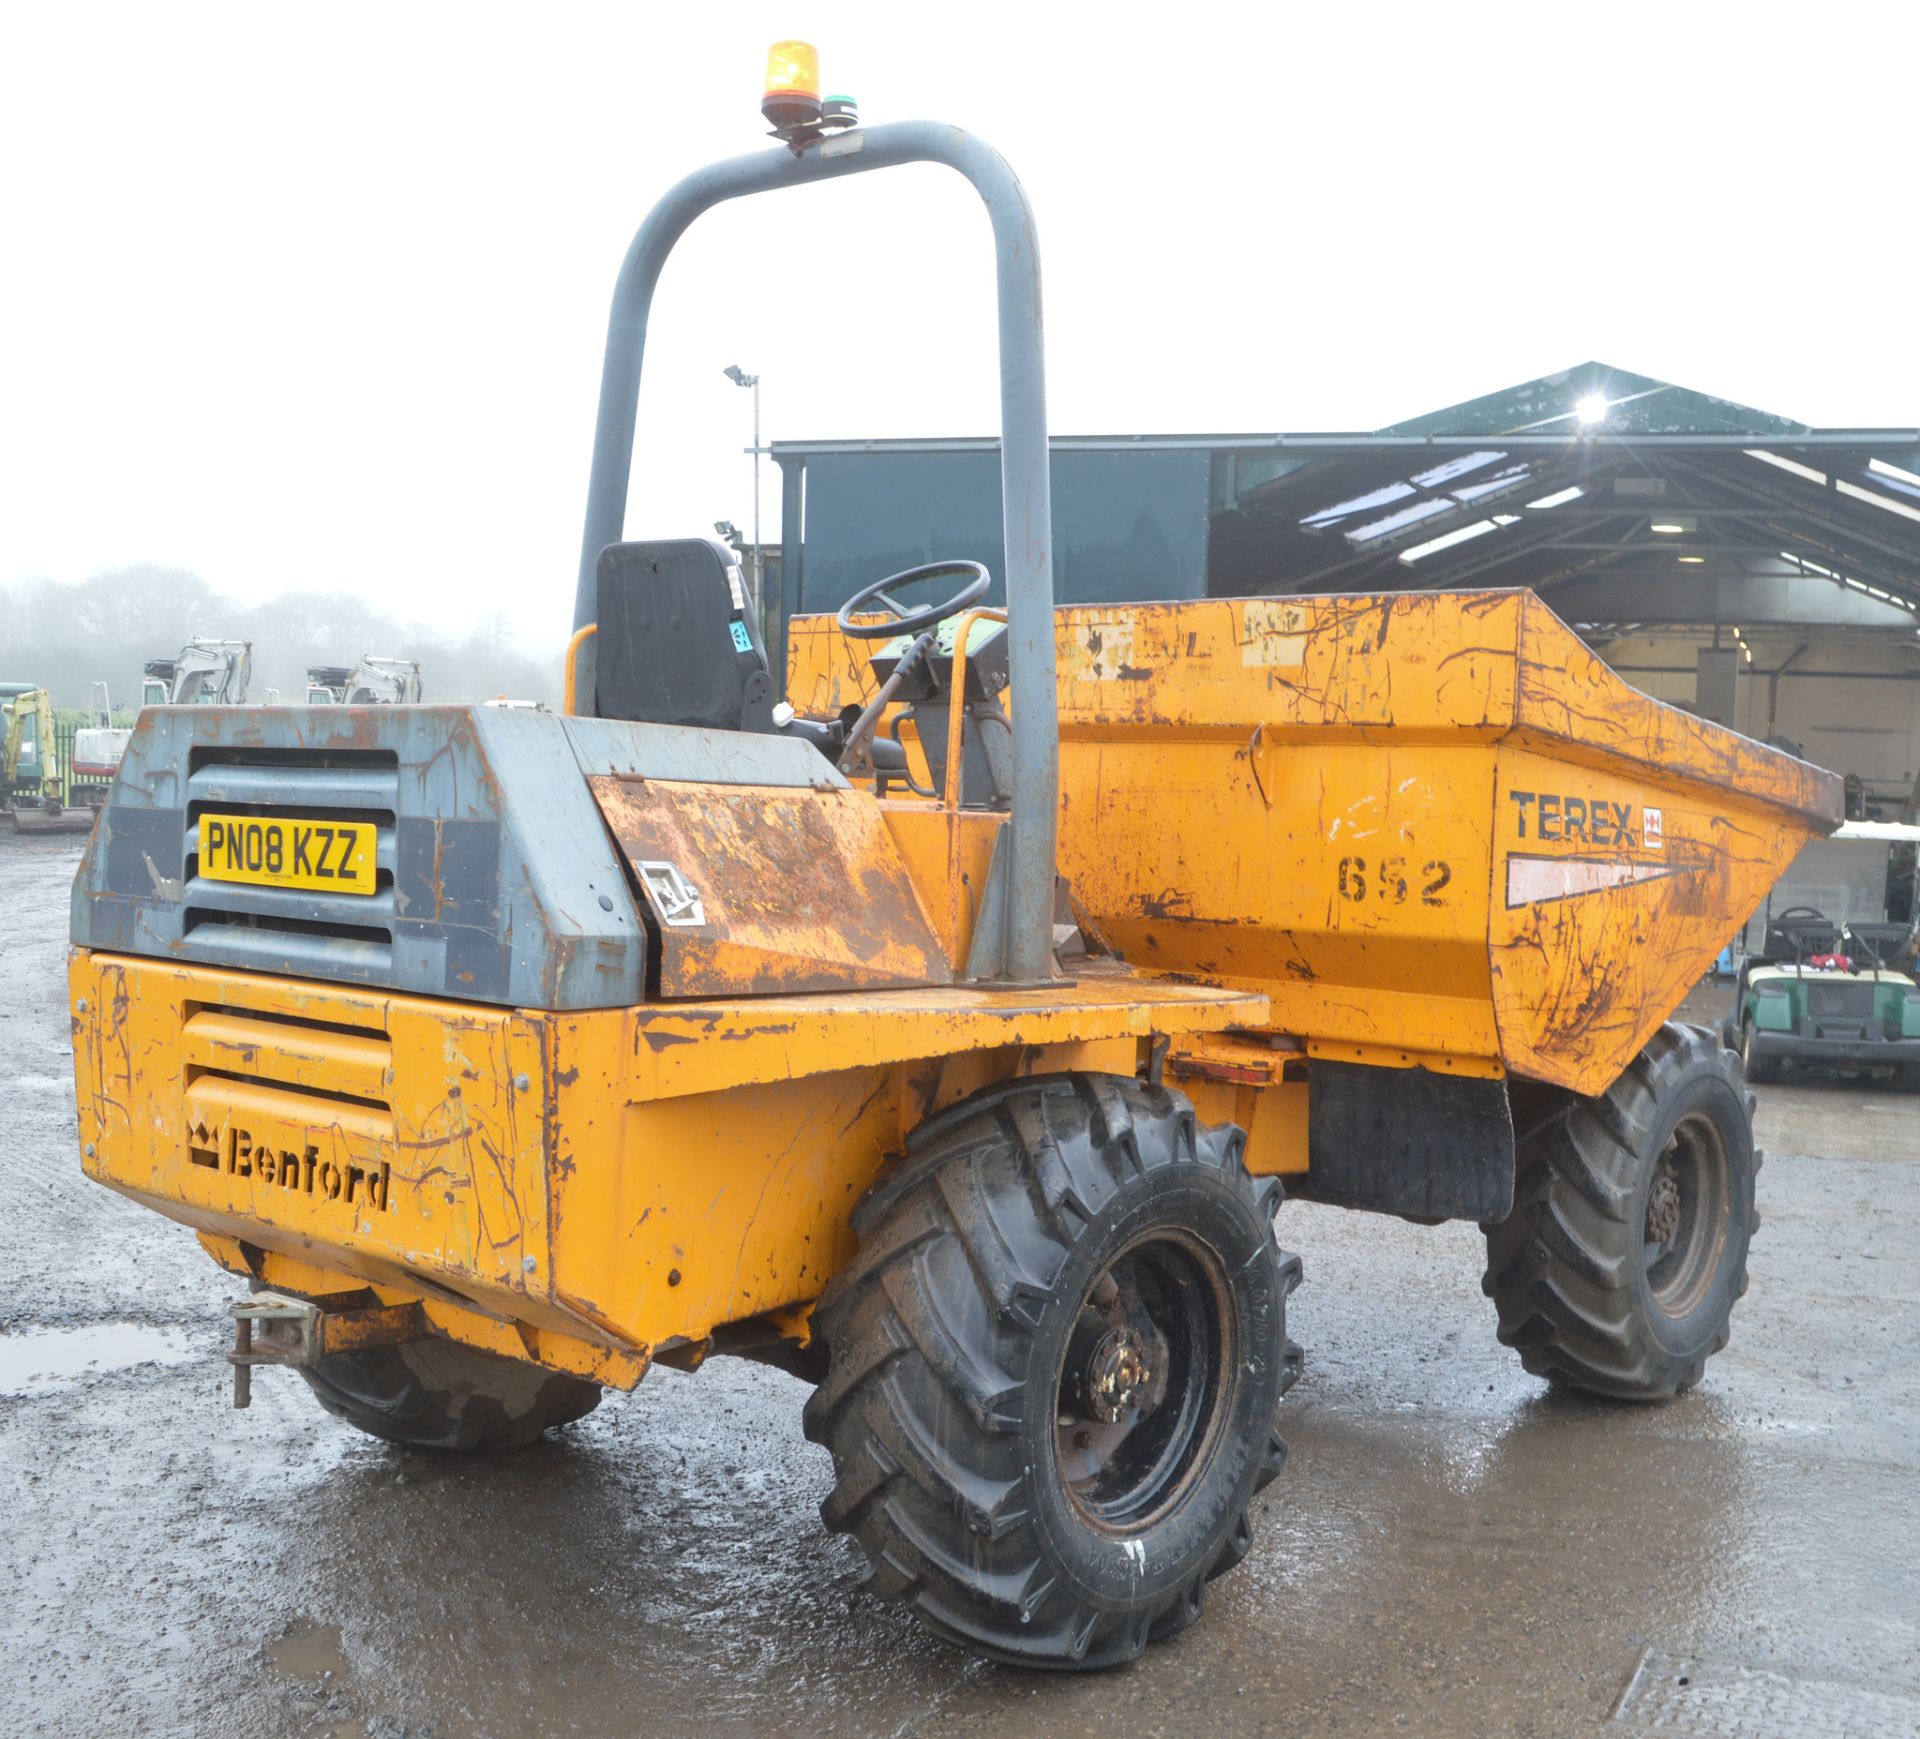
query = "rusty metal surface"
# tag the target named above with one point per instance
(573, 1188)
(383, 1138)
(495, 880)
(1336, 800)
(795, 890)
(1340, 799)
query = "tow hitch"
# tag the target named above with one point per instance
(272, 1329)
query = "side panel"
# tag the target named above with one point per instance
(760, 890)
(1610, 896)
(675, 1216)
(1344, 878)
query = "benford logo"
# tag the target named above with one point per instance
(239, 1153)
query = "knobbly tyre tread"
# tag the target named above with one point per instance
(441, 1394)
(932, 1329)
(1562, 1268)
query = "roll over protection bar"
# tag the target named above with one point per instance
(1027, 514)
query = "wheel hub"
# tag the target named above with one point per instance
(1688, 1219)
(1118, 1376)
(1141, 1382)
(1663, 1205)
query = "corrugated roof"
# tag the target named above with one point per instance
(1563, 484)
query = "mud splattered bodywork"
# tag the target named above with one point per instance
(631, 1017)
(1433, 828)
(596, 1109)
(1426, 824)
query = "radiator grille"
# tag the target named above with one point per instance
(235, 924)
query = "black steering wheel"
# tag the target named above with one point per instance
(907, 621)
(1801, 915)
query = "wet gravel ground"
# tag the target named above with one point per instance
(1450, 1551)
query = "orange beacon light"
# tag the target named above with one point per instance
(792, 95)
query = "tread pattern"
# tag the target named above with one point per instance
(1562, 1267)
(931, 1329)
(441, 1394)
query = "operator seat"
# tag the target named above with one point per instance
(676, 643)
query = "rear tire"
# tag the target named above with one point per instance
(1055, 1364)
(1762, 1071)
(442, 1394)
(1906, 1078)
(1618, 1269)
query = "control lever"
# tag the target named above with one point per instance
(857, 755)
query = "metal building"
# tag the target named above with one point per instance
(1762, 572)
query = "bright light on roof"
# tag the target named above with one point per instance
(1559, 497)
(1887, 469)
(1447, 470)
(1877, 499)
(1872, 496)
(1808, 566)
(1447, 540)
(1592, 408)
(1793, 465)
(1693, 561)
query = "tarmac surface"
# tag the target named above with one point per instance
(1451, 1550)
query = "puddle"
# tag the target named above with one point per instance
(50, 1360)
(307, 1651)
(309, 1657)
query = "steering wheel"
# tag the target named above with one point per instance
(1800, 914)
(907, 621)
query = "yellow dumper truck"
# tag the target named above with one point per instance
(503, 1054)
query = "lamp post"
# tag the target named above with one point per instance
(735, 374)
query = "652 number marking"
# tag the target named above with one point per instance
(1388, 881)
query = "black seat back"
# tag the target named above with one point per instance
(1800, 939)
(676, 643)
(1883, 945)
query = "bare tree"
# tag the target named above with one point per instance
(67, 635)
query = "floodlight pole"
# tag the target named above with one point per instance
(740, 377)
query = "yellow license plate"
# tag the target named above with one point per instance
(327, 857)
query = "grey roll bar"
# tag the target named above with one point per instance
(1027, 513)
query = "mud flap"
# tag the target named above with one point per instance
(1408, 1141)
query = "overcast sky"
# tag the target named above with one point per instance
(313, 296)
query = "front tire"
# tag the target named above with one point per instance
(1626, 1249)
(441, 1394)
(1055, 1364)
(1761, 1070)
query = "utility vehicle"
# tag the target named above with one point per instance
(503, 1054)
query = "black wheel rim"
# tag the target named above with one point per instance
(1688, 1202)
(1141, 1391)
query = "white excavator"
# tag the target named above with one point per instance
(371, 682)
(203, 673)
